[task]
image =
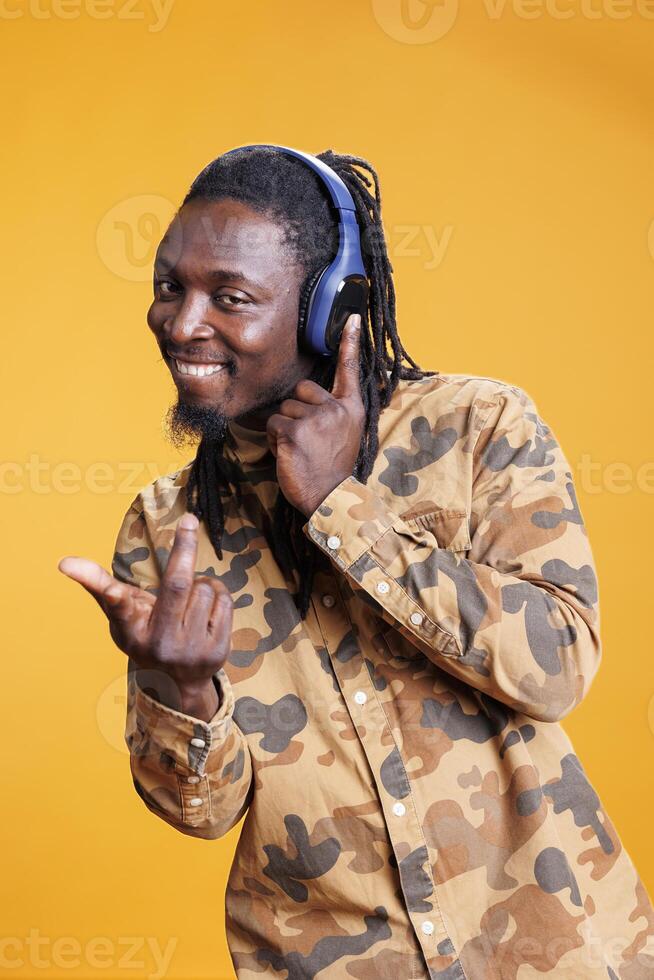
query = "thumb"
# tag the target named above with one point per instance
(105, 589)
(346, 378)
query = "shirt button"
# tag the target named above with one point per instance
(416, 618)
(196, 801)
(192, 779)
(383, 587)
(427, 928)
(333, 542)
(198, 743)
(360, 697)
(328, 600)
(399, 809)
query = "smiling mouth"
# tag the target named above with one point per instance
(195, 370)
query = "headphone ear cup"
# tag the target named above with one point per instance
(303, 309)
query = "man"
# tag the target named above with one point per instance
(356, 619)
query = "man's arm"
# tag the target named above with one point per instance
(518, 618)
(192, 771)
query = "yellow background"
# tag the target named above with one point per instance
(522, 143)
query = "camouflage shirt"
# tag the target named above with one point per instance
(412, 806)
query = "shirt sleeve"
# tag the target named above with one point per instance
(517, 616)
(195, 775)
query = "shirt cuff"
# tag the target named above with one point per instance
(186, 740)
(349, 521)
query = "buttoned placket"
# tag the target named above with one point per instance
(370, 722)
(195, 792)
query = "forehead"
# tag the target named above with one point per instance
(225, 233)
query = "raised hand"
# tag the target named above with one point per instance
(178, 639)
(316, 435)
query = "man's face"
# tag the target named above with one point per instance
(225, 315)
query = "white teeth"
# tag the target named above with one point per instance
(197, 370)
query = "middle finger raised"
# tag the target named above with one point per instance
(177, 580)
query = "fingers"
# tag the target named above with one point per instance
(309, 393)
(278, 428)
(209, 610)
(199, 606)
(293, 409)
(222, 615)
(346, 378)
(177, 580)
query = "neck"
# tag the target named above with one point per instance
(257, 420)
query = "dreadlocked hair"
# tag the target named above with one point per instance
(285, 189)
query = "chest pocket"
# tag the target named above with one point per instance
(450, 526)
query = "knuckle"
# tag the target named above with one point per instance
(204, 591)
(177, 585)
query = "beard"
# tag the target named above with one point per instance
(188, 423)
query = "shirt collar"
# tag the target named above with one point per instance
(249, 446)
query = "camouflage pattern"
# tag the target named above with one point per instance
(412, 806)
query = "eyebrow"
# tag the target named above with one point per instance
(234, 275)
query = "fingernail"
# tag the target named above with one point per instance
(189, 522)
(355, 322)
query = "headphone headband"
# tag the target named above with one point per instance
(340, 195)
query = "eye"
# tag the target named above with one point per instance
(166, 287)
(230, 299)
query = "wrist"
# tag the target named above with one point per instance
(312, 506)
(200, 699)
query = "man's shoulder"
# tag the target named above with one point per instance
(436, 395)
(163, 500)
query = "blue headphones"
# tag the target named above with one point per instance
(341, 288)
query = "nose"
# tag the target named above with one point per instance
(189, 320)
